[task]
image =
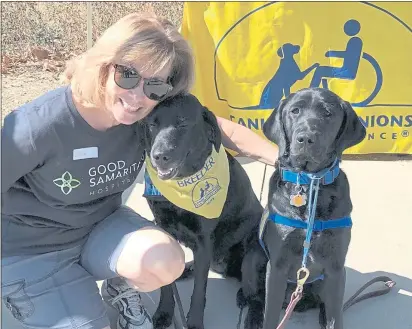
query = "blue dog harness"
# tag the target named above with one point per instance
(326, 177)
(318, 226)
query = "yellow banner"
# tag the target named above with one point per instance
(250, 55)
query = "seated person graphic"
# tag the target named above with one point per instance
(351, 57)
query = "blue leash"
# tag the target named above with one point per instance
(313, 189)
(313, 201)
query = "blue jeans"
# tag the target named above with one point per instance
(58, 290)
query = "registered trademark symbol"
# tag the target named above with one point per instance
(405, 133)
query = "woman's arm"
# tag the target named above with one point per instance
(19, 155)
(247, 143)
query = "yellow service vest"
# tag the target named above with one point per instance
(203, 193)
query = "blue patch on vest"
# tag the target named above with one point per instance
(150, 191)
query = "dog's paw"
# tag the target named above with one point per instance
(195, 326)
(253, 322)
(162, 320)
(194, 323)
(254, 317)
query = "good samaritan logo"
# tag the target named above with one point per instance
(204, 191)
(66, 183)
(114, 175)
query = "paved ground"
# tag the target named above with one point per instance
(381, 244)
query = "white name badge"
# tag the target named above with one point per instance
(85, 153)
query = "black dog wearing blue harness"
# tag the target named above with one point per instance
(306, 229)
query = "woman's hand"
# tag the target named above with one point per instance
(247, 143)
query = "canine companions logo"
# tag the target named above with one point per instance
(204, 191)
(296, 51)
(261, 52)
(66, 183)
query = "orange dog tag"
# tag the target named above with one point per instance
(298, 200)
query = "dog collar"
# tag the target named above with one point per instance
(327, 176)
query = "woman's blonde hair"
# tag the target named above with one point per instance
(145, 38)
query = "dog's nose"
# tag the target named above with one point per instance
(162, 157)
(305, 138)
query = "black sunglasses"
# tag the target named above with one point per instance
(128, 78)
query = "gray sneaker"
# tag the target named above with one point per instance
(132, 313)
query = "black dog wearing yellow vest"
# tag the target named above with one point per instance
(202, 196)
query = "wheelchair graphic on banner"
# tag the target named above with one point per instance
(351, 58)
(288, 72)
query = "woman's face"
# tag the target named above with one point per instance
(128, 106)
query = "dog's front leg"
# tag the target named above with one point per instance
(163, 316)
(202, 257)
(332, 294)
(253, 287)
(276, 284)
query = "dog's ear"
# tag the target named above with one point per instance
(273, 128)
(213, 131)
(351, 132)
(280, 52)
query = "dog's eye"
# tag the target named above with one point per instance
(295, 110)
